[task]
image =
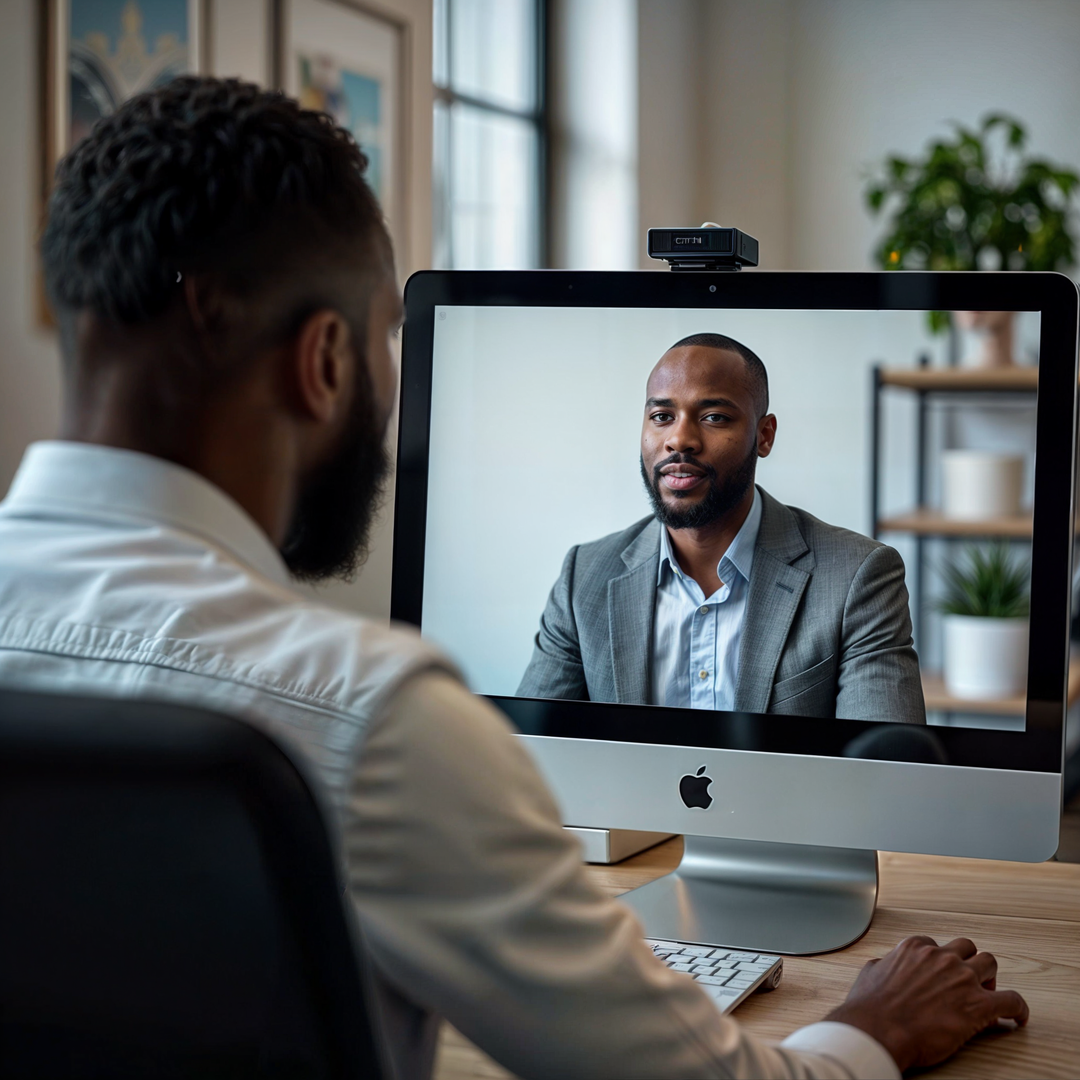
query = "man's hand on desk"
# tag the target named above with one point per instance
(923, 1001)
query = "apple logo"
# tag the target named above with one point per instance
(694, 790)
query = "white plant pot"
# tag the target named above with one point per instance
(979, 484)
(985, 658)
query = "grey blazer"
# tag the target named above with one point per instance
(827, 631)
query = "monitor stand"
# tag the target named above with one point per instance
(773, 898)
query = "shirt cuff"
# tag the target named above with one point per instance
(853, 1048)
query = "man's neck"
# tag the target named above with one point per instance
(239, 450)
(699, 551)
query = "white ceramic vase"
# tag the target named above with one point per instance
(993, 331)
(979, 484)
(985, 658)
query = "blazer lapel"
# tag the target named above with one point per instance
(631, 600)
(776, 588)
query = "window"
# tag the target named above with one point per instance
(489, 134)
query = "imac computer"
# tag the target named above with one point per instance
(819, 702)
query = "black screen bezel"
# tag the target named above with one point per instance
(1054, 296)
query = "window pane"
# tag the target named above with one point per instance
(494, 203)
(494, 51)
(440, 44)
(440, 190)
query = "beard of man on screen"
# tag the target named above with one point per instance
(723, 597)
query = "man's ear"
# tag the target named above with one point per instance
(766, 435)
(321, 361)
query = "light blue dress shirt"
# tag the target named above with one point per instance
(695, 647)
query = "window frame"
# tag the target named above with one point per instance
(538, 118)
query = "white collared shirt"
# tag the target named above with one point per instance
(124, 574)
(696, 638)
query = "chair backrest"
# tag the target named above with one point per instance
(168, 901)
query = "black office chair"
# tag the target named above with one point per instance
(168, 901)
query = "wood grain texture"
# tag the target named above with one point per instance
(926, 522)
(960, 380)
(1028, 915)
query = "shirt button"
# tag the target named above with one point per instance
(704, 609)
(703, 674)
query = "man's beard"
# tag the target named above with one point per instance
(722, 496)
(329, 532)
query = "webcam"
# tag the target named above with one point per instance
(710, 247)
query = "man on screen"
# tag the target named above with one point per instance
(724, 598)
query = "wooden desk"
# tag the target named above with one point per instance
(1028, 915)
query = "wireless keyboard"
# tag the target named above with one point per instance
(728, 976)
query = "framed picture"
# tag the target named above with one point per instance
(101, 52)
(98, 53)
(348, 59)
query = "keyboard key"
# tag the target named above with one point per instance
(712, 980)
(747, 965)
(697, 950)
(741, 984)
(671, 946)
(681, 967)
(742, 956)
(719, 954)
(703, 969)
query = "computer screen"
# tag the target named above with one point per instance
(900, 466)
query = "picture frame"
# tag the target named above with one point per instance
(94, 55)
(350, 59)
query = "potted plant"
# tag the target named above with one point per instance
(986, 625)
(976, 201)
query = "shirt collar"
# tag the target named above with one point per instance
(108, 484)
(739, 555)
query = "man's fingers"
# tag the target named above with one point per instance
(1008, 1005)
(962, 947)
(918, 939)
(985, 966)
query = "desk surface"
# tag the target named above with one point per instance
(1028, 915)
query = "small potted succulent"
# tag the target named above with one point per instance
(976, 201)
(986, 625)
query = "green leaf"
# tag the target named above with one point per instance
(938, 322)
(897, 166)
(991, 584)
(942, 208)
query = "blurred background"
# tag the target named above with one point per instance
(551, 133)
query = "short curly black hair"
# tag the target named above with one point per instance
(202, 174)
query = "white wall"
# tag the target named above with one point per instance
(669, 112)
(778, 107)
(29, 369)
(870, 78)
(594, 133)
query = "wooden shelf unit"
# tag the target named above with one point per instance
(938, 698)
(939, 384)
(960, 380)
(925, 522)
